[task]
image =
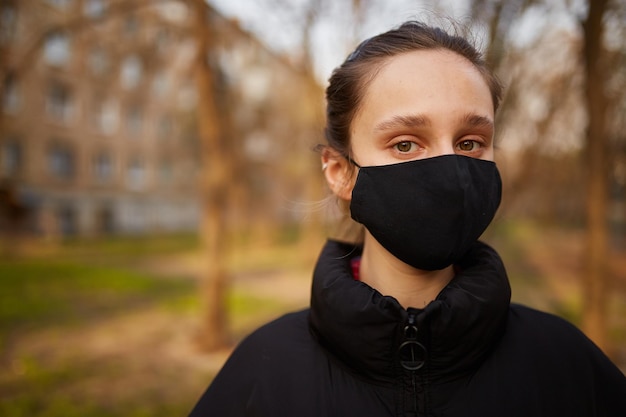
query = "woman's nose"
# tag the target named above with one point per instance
(442, 147)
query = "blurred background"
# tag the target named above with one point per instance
(160, 198)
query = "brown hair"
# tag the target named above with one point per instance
(348, 82)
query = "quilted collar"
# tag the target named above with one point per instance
(365, 329)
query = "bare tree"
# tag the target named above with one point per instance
(214, 183)
(595, 279)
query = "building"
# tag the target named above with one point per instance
(98, 114)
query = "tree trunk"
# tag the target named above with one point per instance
(214, 185)
(595, 279)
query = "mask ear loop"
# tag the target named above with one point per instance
(353, 162)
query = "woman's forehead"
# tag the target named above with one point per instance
(421, 85)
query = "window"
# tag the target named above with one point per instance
(94, 8)
(61, 163)
(131, 26)
(187, 97)
(131, 71)
(57, 48)
(173, 11)
(67, 220)
(136, 174)
(134, 121)
(8, 24)
(59, 103)
(11, 157)
(159, 84)
(98, 61)
(62, 4)
(10, 95)
(256, 85)
(105, 116)
(103, 167)
(165, 127)
(105, 219)
(165, 172)
(162, 40)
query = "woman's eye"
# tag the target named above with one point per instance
(405, 146)
(468, 145)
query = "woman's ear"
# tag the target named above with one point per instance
(338, 172)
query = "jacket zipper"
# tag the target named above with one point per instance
(412, 355)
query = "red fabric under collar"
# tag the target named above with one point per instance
(355, 264)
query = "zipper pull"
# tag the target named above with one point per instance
(411, 352)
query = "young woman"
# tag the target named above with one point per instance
(416, 320)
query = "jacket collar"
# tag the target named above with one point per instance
(364, 329)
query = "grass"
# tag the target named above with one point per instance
(63, 300)
(39, 293)
(58, 297)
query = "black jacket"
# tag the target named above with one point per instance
(468, 353)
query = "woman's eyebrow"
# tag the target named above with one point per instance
(403, 121)
(420, 120)
(476, 120)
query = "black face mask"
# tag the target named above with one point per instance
(427, 212)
